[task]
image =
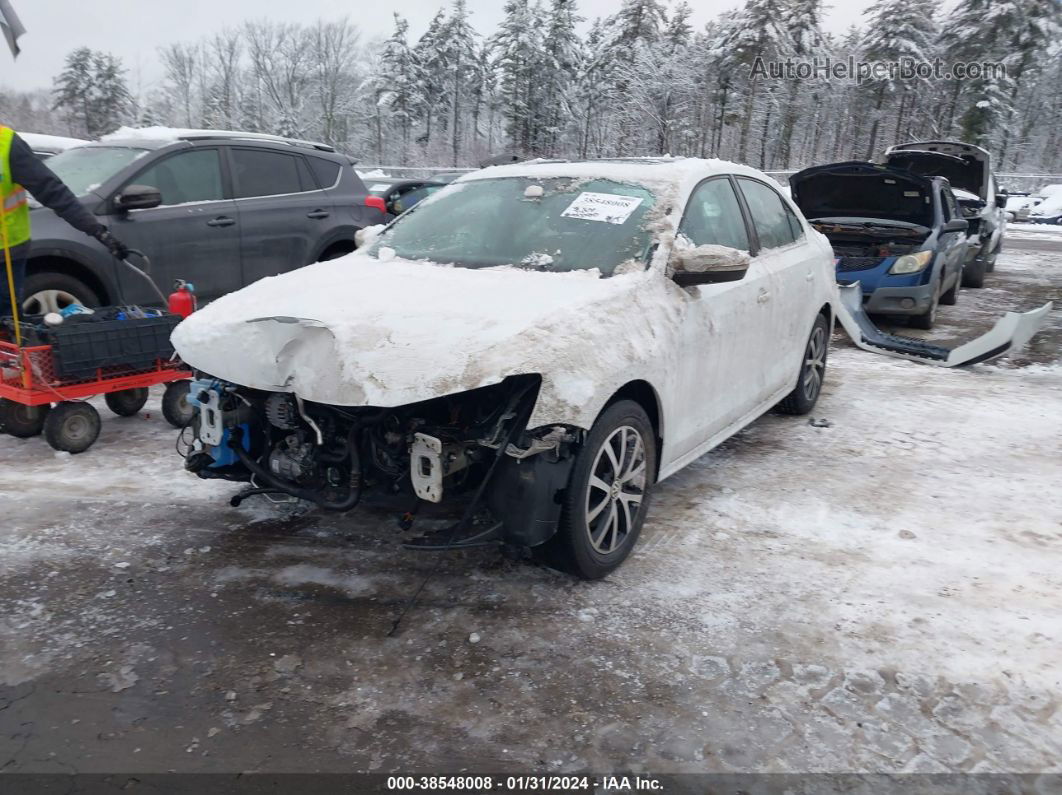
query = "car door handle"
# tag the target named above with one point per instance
(318, 214)
(763, 297)
(221, 220)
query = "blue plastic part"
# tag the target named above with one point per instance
(223, 454)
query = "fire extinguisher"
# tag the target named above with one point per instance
(182, 300)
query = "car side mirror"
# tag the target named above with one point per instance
(138, 197)
(708, 264)
(1001, 200)
(956, 225)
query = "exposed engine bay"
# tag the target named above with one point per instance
(863, 240)
(454, 445)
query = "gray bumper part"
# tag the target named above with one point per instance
(1011, 332)
(898, 300)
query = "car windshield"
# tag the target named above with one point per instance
(552, 224)
(85, 168)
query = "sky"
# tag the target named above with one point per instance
(135, 29)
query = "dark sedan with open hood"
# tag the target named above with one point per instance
(901, 235)
(968, 169)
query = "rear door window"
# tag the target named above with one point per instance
(326, 171)
(260, 172)
(775, 223)
(186, 177)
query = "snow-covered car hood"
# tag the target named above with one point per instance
(358, 331)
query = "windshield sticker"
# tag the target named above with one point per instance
(607, 207)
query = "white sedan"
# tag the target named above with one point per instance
(537, 344)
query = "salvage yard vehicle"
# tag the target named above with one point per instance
(218, 209)
(900, 235)
(968, 169)
(400, 194)
(547, 340)
(1048, 211)
(46, 146)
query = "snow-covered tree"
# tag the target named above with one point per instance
(405, 83)
(93, 93)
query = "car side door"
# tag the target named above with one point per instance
(283, 211)
(193, 235)
(720, 378)
(790, 265)
(953, 245)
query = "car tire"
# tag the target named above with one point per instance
(973, 275)
(599, 525)
(176, 407)
(812, 371)
(127, 402)
(50, 292)
(22, 422)
(72, 427)
(951, 297)
(990, 263)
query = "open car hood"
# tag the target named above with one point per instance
(858, 189)
(965, 166)
(358, 331)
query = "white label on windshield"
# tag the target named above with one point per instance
(378, 188)
(607, 207)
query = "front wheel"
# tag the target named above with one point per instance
(812, 371)
(72, 427)
(608, 494)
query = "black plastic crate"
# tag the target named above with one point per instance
(79, 349)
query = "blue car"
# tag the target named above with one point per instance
(902, 236)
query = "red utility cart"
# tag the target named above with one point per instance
(33, 398)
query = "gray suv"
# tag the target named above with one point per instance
(220, 210)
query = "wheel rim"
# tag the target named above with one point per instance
(44, 301)
(76, 428)
(814, 363)
(616, 490)
(25, 414)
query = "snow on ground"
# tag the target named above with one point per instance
(878, 591)
(1033, 230)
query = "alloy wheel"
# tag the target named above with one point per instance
(45, 301)
(815, 363)
(616, 489)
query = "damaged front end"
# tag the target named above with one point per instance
(471, 449)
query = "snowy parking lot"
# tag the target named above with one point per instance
(878, 590)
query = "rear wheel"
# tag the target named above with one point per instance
(127, 402)
(176, 407)
(608, 494)
(812, 371)
(53, 292)
(973, 275)
(21, 421)
(72, 427)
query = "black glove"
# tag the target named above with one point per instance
(113, 244)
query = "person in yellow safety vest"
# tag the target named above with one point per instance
(21, 171)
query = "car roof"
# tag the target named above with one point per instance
(675, 170)
(158, 137)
